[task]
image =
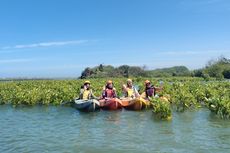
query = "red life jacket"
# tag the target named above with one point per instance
(109, 93)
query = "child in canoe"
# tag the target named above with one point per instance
(150, 90)
(129, 90)
(108, 90)
(109, 99)
(86, 92)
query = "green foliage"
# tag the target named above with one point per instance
(161, 109)
(220, 106)
(182, 92)
(182, 96)
(226, 72)
(197, 73)
(218, 99)
(37, 92)
(168, 72)
(218, 69)
(103, 71)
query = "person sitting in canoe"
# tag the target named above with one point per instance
(109, 91)
(109, 100)
(87, 101)
(86, 92)
(150, 90)
(129, 90)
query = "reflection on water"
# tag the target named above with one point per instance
(64, 129)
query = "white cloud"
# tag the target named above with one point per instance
(45, 44)
(20, 60)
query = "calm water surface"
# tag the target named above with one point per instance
(64, 129)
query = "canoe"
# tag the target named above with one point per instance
(111, 104)
(135, 104)
(87, 105)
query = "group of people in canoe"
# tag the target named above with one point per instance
(131, 98)
(129, 91)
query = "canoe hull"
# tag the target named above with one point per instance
(111, 104)
(87, 105)
(136, 104)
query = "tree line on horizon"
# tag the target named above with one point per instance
(218, 68)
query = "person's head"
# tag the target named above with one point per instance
(147, 84)
(109, 84)
(87, 84)
(129, 82)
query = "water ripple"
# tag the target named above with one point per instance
(64, 129)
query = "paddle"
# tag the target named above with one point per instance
(137, 87)
(69, 102)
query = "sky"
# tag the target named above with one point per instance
(59, 38)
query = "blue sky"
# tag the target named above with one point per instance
(59, 38)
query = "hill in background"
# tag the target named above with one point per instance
(219, 69)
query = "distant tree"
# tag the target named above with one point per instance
(205, 76)
(144, 67)
(86, 73)
(198, 73)
(124, 70)
(101, 68)
(137, 71)
(226, 73)
(218, 68)
(172, 71)
(174, 74)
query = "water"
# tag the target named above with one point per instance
(64, 129)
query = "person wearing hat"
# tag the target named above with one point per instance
(108, 90)
(86, 92)
(129, 90)
(150, 90)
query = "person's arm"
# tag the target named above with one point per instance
(124, 91)
(81, 94)
(104, 92)
(158, 88)
(143, 95)
(124, 88)
(136, 92)
(92, 95)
